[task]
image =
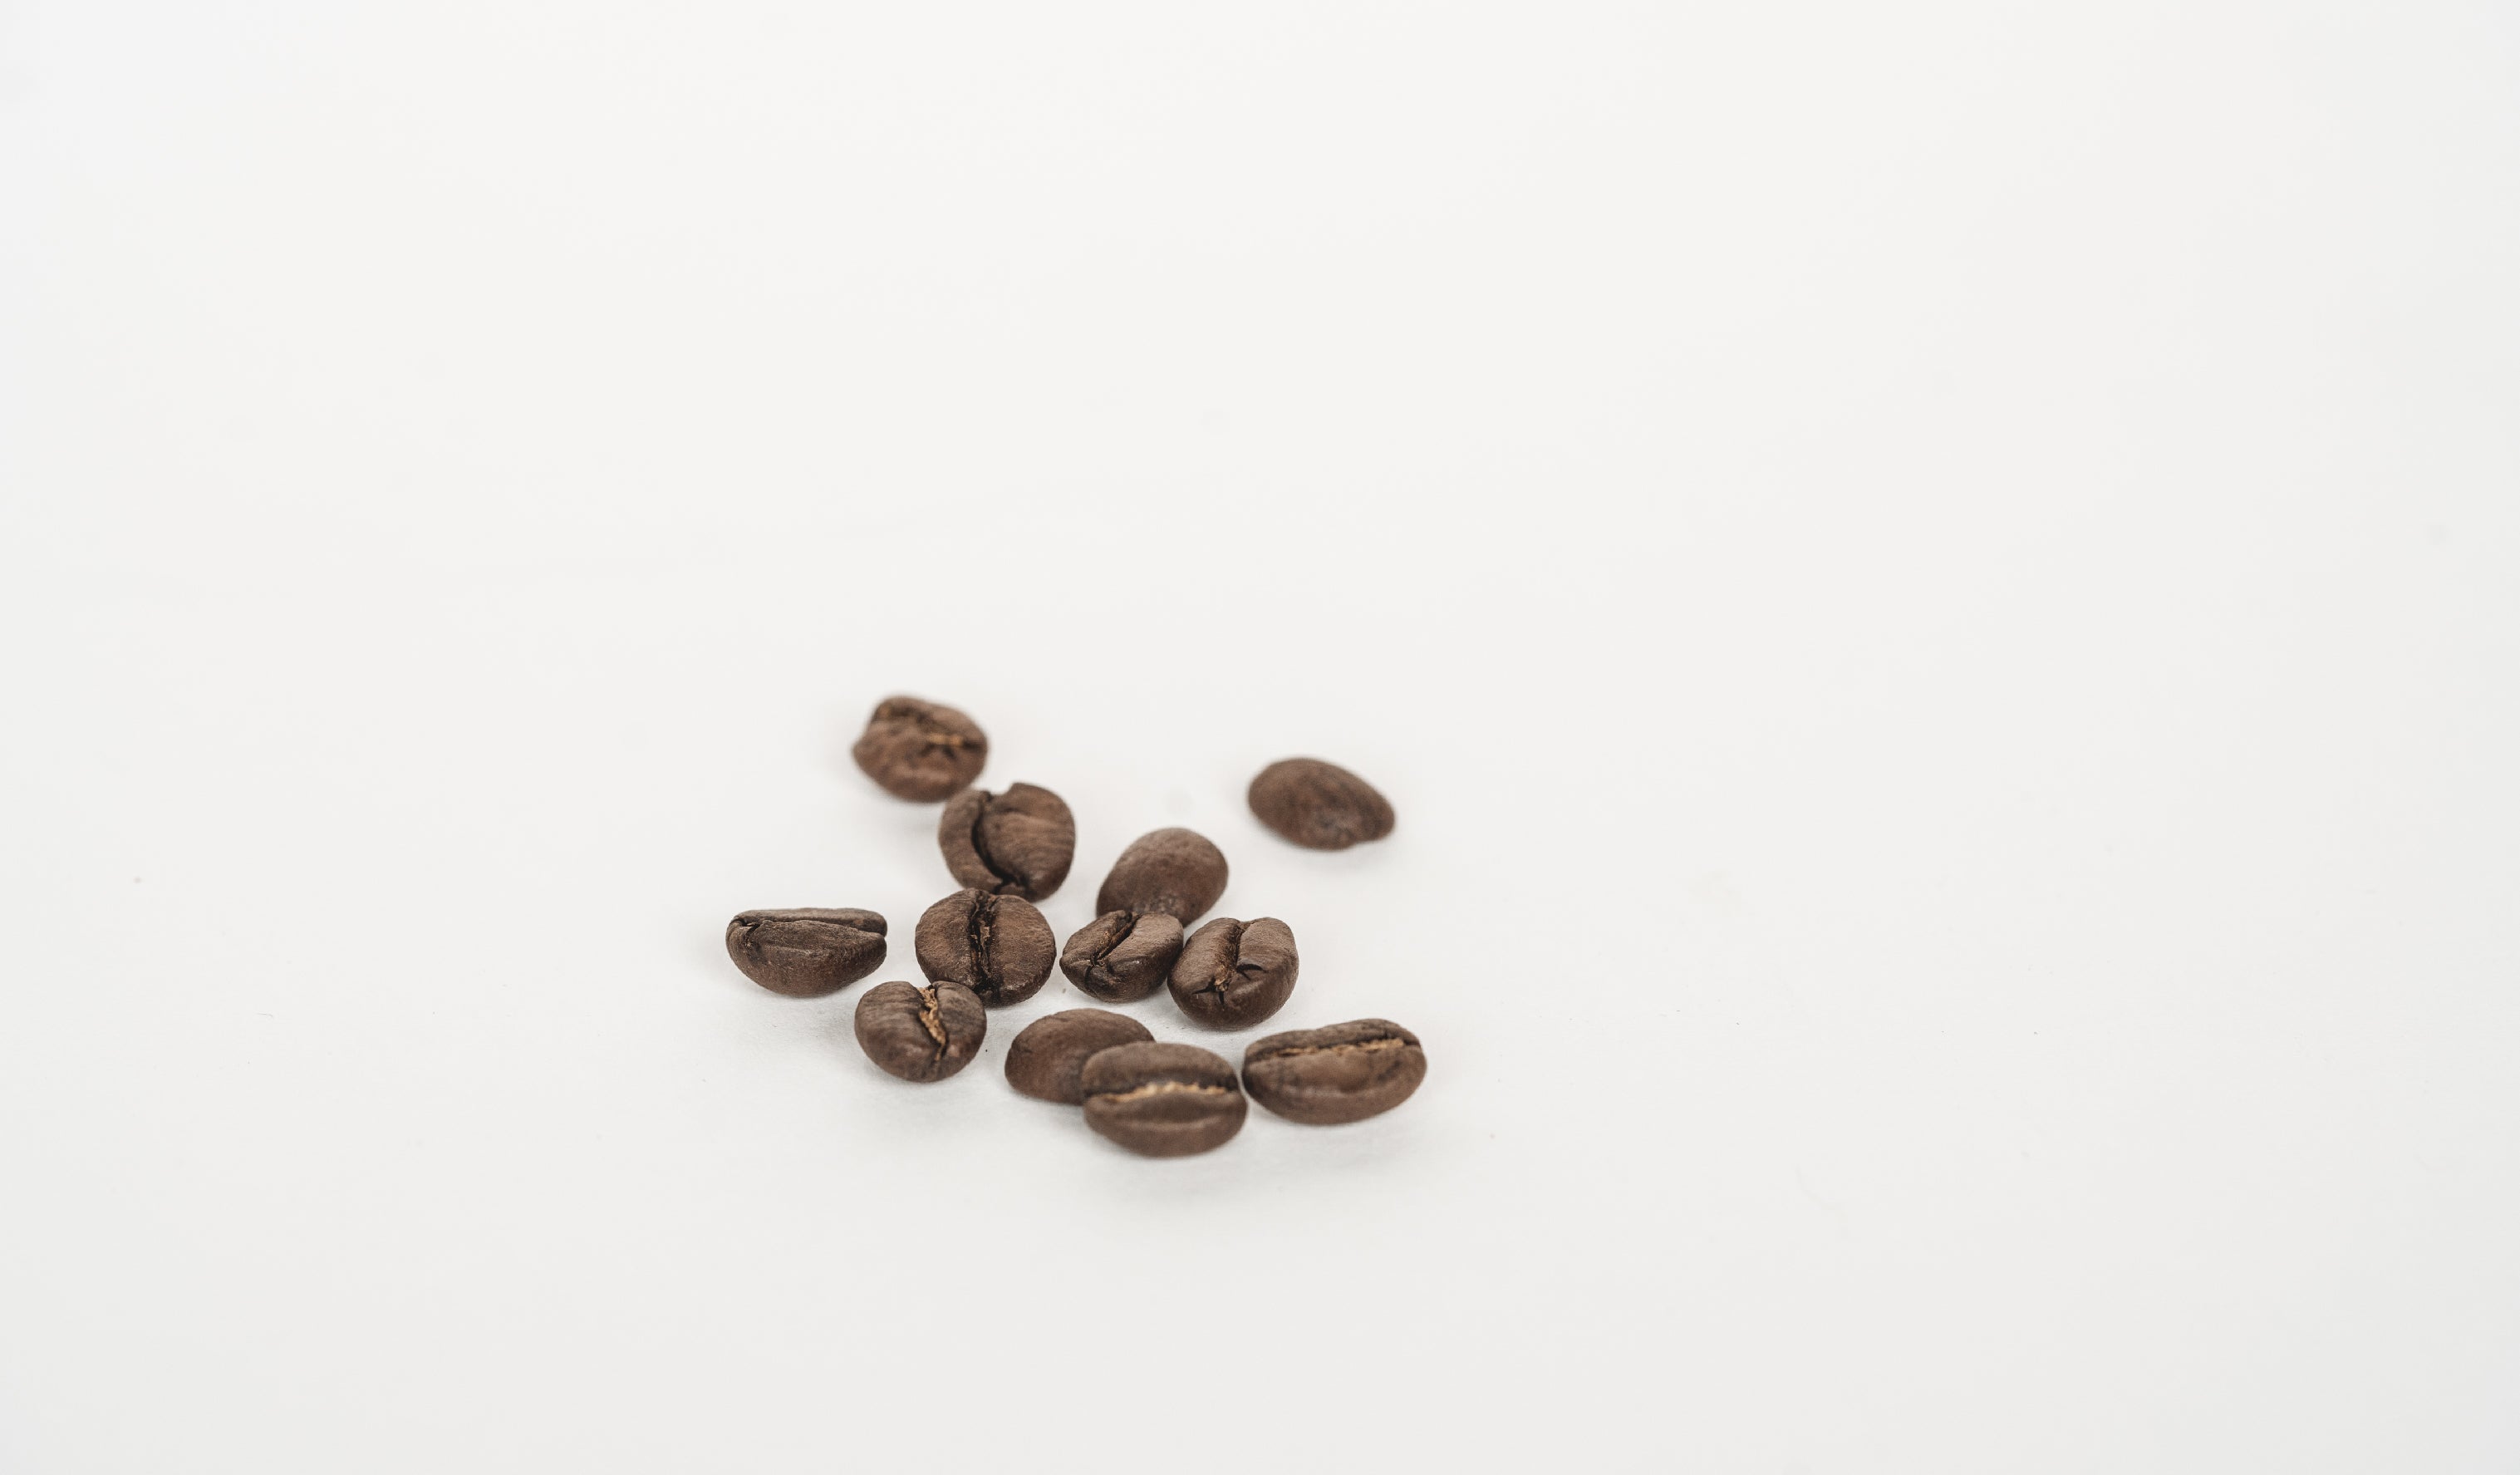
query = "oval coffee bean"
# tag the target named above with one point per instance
(806, 952)
(1122, 955)
(921, 1034)
(1342, 1073)
(920, 750)
(1319, 806)
(1017, 843)
(998, 947)
(1234, 974)
(1180, 872)
(1164, 1101)
(1048, 1059)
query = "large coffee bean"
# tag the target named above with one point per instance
(1017, 843)
(1340, 1073)
(806, 952)
(920, 750)
(1174, 870)
(1048, 1059)
(1122, 955)
(998, 947)
(1164, 1101)
(921, 1034)
(1319, 806)
(1233, 974)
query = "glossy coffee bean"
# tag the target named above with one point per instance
(1017, 843)
(1319, 806)
(806, 952)
(921, 1034)
(1340, 1073)
(1234, 974)
(1164, 1101)
(1173, 870)
(999, 947)
(1122, 955)
(920, 750)
(1048, 1059)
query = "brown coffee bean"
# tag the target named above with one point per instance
(1319, 806)
(999, 947)
(1180, 872)
(806, 952)
(1339, 1073)
(921, 1034)
(1017, 843)
(1122, 955)
(1048, 1059)
(1164, 1101)
(920, 750)
(1234, 974)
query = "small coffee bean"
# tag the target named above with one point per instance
(806, 952)
(1340, 1073)
(1234, 974)
(920, 750)
(1164, 1101)
(1048, 1059)
(1017, 843)
(999, 947)
(1175, 871)
(1319, 806)
(1122, 955)
(921, 1034)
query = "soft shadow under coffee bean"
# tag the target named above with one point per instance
(1339, 1073)
(920, 750)
(921, 1034)
(1319, 806)
(806, 952)
(1163, 1100)
(1048, 1059)
(1017, 843)
(1234, 974)
(999, 947)
(1122, 955)
(1179, 871)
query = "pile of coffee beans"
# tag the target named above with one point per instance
(987, 945)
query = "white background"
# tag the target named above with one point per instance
(1936, 588)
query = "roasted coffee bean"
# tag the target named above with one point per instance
(1234, 974)
(1122, 955)
(919, 751)
(1342, 1073)
(1017, 843)
(806, 952)
(1048, 1059)
(998, 947)
(1174, 870)
(921, 1034)
(1319, 806)
(1164, 1101)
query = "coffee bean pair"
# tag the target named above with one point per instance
(1173, 1101)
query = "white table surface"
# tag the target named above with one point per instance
(1937, 591)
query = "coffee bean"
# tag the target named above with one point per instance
(921, 1034)
(1340, 1073)
(1234, 974)
(1017, 843)
(998, 947)
(1048, 1059)
(1175, 871)
(1122, 955)
(1319, 806)
(919, 751)
(806, 952)
(1164, 1101)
